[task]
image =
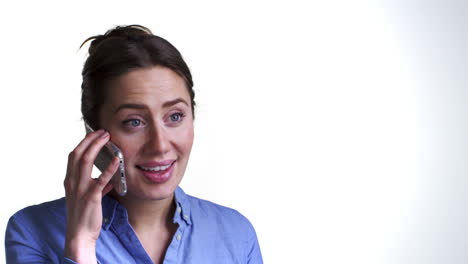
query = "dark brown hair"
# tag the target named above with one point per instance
(119, 51)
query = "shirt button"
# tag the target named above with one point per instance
(186, 217)
(178, 237)
(179, 209)
(106, 220)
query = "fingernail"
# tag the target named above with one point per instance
(105, 134)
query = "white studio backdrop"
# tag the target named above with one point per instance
(337, 127)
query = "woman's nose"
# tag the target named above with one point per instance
(157, 142)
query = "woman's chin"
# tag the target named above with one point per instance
(153, 191)
(159, 195)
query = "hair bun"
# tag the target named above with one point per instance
(131, 33)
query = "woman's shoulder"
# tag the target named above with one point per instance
(47, 212)
(221, 228)
(31, 225)
(208, 207)
(216, 215)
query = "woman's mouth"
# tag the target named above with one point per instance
(157, 172)
(157, 168)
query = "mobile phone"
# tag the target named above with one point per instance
(103, 159)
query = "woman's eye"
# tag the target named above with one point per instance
(132, 122)
(176, 117)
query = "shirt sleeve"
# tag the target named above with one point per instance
(69, 261)
(254, 255)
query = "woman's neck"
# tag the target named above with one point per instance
(148, 214)
(152, 222)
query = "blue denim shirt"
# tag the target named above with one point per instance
(207, 233)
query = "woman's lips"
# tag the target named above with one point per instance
(157, 172)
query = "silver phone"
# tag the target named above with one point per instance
(103, 159)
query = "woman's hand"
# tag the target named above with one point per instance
(83, 197)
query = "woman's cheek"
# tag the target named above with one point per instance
(187, 135)
(130, 153)
(128, 149)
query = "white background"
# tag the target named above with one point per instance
(337, 127)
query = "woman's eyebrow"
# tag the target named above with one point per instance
(175, 101)
(142, 106)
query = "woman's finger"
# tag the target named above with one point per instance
(87, 140)
(107, 189)
(103, 181)
(75, 156)
(87, 160)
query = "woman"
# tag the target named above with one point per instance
(137, 92)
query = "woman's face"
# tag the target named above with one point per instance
(148, 115)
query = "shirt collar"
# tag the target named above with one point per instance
(182, 206)
(182, 212)
(109, 207)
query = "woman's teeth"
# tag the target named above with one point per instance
(157, 168)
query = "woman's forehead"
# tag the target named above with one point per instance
(157, 84)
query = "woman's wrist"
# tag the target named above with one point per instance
(81, 251)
